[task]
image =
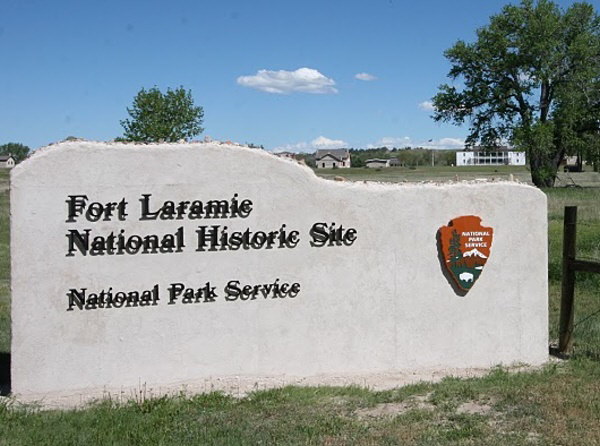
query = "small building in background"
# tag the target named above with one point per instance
(288, 155)
(334, 158)
(498, 156)
(381, 162)
(572, 163)
(7, 161)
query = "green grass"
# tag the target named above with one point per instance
(587, 297)
(450, 173)
(426, 173)
(559, 404)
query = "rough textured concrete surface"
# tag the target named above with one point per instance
(92, 312)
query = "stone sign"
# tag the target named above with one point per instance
(167, 265)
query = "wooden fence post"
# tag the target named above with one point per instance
(565, 343)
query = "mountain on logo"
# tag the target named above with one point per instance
(474, 252)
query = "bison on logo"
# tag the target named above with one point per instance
(464, 247)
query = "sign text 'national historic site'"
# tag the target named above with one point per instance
(206, 238)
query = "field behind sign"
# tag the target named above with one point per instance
(452, 173)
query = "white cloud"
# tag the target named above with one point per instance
(319, 143)
(445, 143)
(322, 142)
(427, 106)
(303, 80)
(391, 141)
(365, 77)
(406, 141)
(300, 147)
(526, 78)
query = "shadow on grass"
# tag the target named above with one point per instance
(4, 374)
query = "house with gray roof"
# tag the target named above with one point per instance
(7, 161)
(333, 158)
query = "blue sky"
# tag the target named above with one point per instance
(278, 73)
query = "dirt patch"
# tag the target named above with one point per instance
(418, 402)
(474, 408)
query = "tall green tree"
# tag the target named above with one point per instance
(532, 78)
(158, 117)
(17, 150)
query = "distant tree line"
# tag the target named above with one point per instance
(408, 156)
(17, 150)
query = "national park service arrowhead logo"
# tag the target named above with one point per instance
(464, 248)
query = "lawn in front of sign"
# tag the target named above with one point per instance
(555, 405)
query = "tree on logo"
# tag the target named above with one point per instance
(454, 249)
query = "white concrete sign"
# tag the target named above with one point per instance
(166, 265)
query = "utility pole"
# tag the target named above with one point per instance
(432, 155)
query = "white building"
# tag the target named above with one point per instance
(499, 156)
(328, 159)
(7, 161)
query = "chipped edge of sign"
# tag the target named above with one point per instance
(371, 185)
